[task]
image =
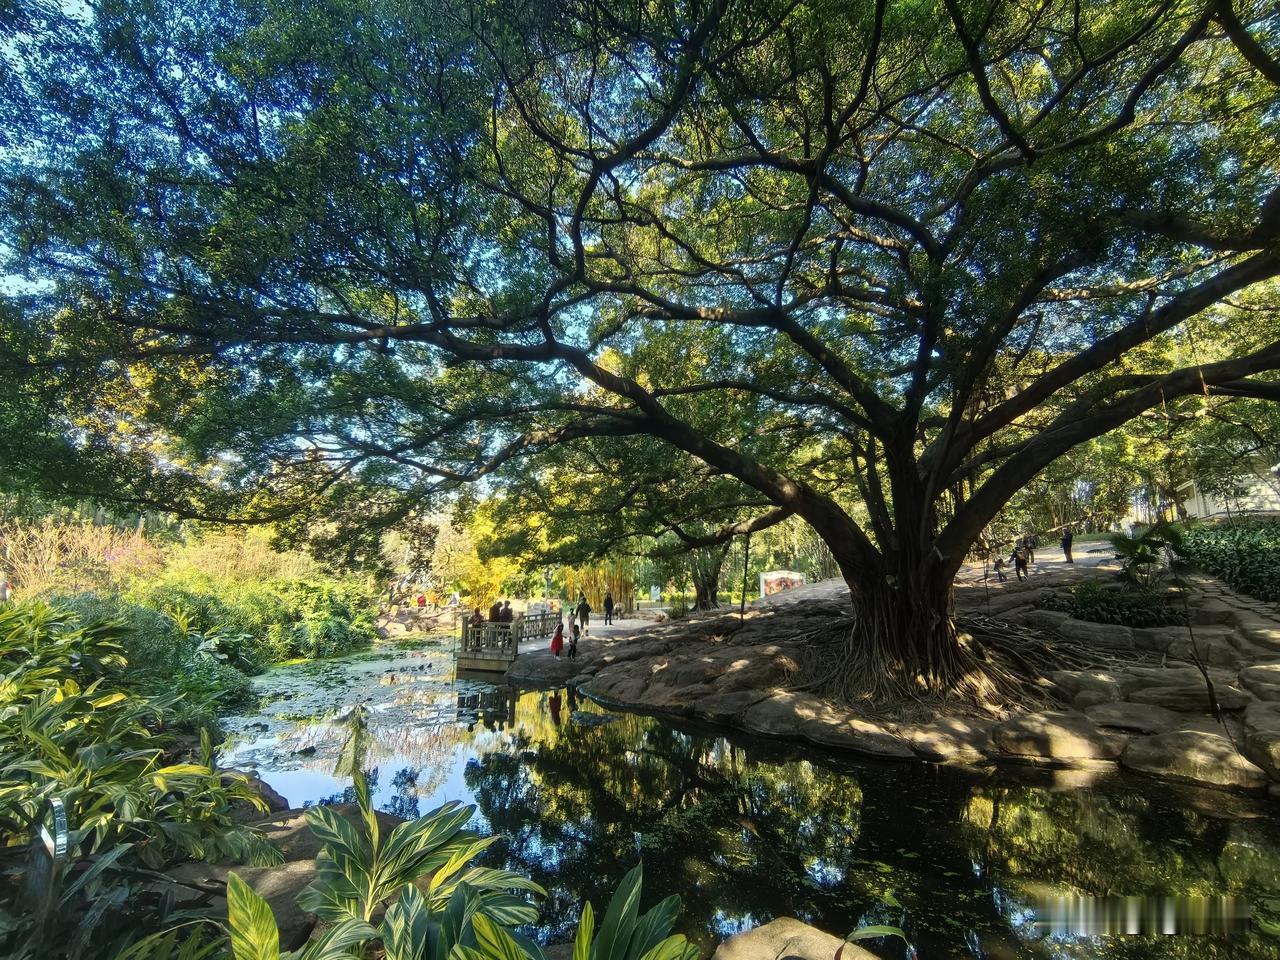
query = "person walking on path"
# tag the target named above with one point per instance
(1030, 544)
(557, 640)
(608, 607)
(1019, 559)
(573, 642)
(1067, 538)
(999, 568)
(584, 611)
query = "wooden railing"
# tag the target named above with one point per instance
(503, 639)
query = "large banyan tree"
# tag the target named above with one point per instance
(874, 262)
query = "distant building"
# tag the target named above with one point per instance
(1255, 493)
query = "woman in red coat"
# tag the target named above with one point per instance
(557, 641)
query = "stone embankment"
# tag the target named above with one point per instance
(1146, 706)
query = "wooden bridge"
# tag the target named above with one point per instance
(493, 646)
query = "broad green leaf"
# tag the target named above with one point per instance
(494, 942)
(338, 942)
(254, 935)
(586, 930)
(619, 919)
(672, 948)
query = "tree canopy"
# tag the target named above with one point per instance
(299, 255)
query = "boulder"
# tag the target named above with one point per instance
(1261, 737)
(829, 725)
(1262, 632)
(778, 716)
(1049, 620)
(1189, 696)
(1109, 636)
(1094, 686)
(1134, 717)
(1058, 735)
(1261, 679)
(1216, 647)
(788, 939)
(1196, 756)
(542, 669)
(951, 739)
(755, 668)
(1158, 639)
(727, 707)
(1212, 611)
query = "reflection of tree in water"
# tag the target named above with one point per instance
(404, 801)
(348, 794)
(745, 840)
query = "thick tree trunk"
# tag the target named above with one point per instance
(905, 628)
(705, 566)
(704, 590)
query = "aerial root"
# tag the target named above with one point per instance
(993, 667)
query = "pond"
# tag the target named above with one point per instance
(746, 831)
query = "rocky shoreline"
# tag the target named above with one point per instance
(1145, 707)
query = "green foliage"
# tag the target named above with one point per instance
(359, 869)
(1245, 554)
(75, 739)
(1130, 606)
(627, 934)
(286, 618)
(1145, 558)
(165, 657)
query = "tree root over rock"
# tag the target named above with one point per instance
(1000, 666)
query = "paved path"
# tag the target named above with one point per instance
(597, 631)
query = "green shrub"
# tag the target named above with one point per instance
(287, 618)
(154, 643)
(1245, 554)
(164, 658)
(76, 741)
(1127, 606)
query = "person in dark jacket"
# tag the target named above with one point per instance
(584, 611)
(1067, 537)
(608, 607)
(495, 612)
(1019, 559)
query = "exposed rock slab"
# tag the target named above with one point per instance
(1196, 756)
(788, 939)
(1088, 687)
(1108, 636)
(1261, 679)
(1058, 735)
(829, 725)
(776, 716)
(1134, 717)
(951, 739)
(542, 669)
(1261, 737)
(727, 707)
(1189, 697)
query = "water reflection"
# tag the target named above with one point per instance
(747, 831)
